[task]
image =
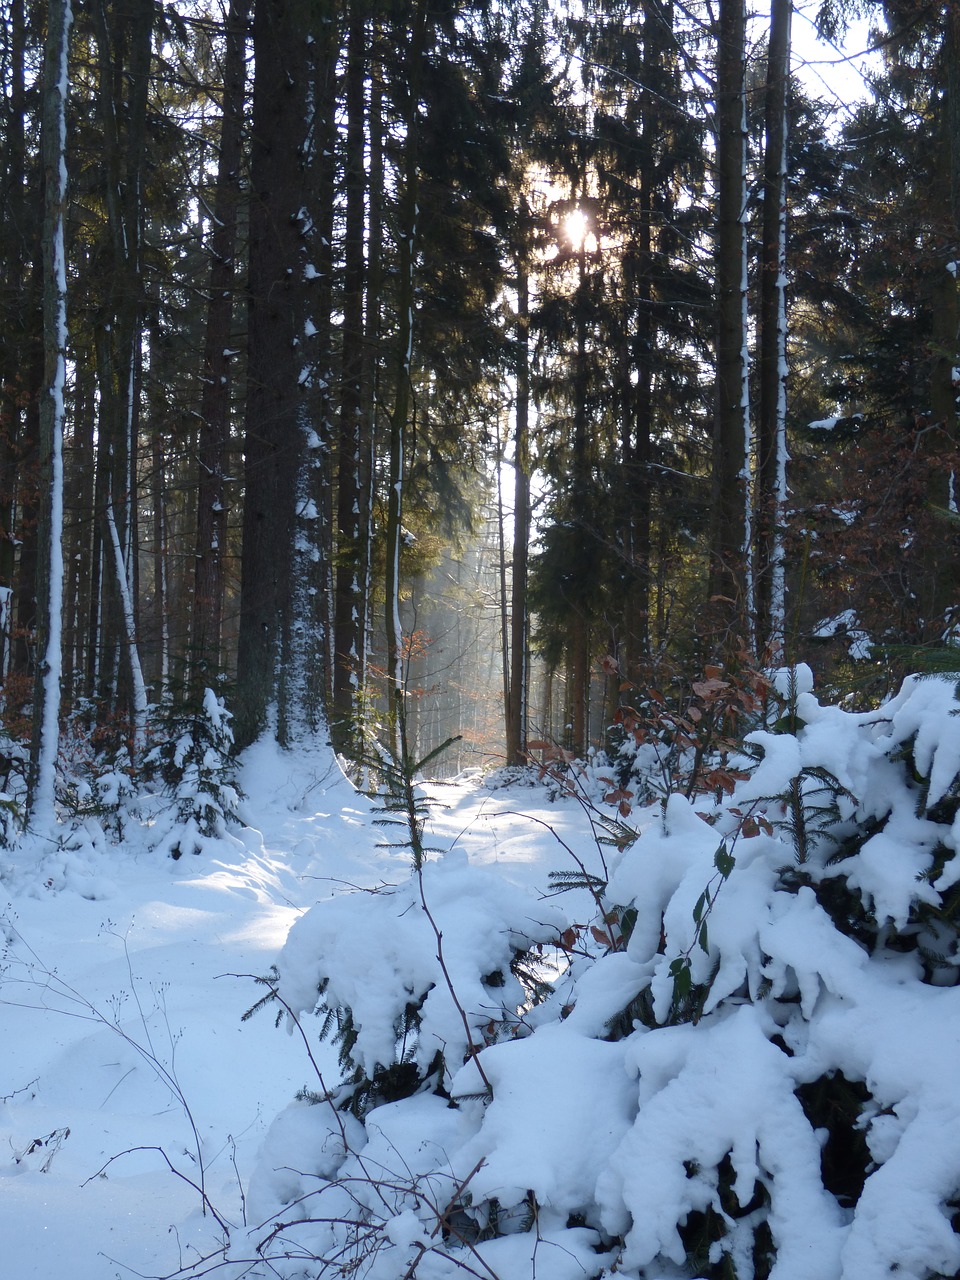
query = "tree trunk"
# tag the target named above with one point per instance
(214, 438)
(161, 595)
(580, 624)
(730, 540)
(771, 418)
(370, 384)
(399, 418)
(277, 635)
(516, 720)
(138, 689)
(15, 268)
(79, 505)
(636, 419)
(29, 502)
(306, 687)
(124, 45)
(938, 604)
(637, 404)
(46, 732)
(349, 604)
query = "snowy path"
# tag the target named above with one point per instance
(133, 983)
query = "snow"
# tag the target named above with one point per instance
(520, 1147)
(846, 623)
(702, 1096)
(591, 1126)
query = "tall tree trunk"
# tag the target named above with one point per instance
(98, 663)
(637, 404)
(22, 447)
(277, 632)
(730, 587)
(408, 232)
(580, 624)
(79, 523)
(307, 677)
(29, 501)
(516, 720)
(46, 731)
(214, 438)
(349, 604)
(772, 411)
(161, 595)
(15, 267)
(939, 595)
(505, 647)
(636, 421)
(124, 44)
(138, 689)
(370, 385)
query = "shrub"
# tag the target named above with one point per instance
(194, 761)
(743, 1068)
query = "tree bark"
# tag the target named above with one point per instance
(516, 719)
(46, 733)
(730, 541)
(408, 232)
(772, 409)
(580, 623)
(124, 47)
(278, 646)
(308, 642)
(214, 438)
(349, 611)
(15, 268)
(79, 470)
(370, 385)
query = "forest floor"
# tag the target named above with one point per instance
(128, 1080)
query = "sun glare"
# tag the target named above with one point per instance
(576, 227)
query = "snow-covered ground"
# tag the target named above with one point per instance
(126, 1073)
(731, 1051)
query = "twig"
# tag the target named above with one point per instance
(327, 1093)
(472, 1049)
(208, 1204)
(581, 866)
